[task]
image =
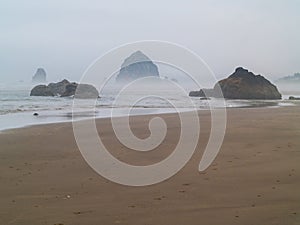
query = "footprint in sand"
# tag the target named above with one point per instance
(160, 198)
(82, 212)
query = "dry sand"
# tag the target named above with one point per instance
(254, 180)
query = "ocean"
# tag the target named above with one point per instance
(17, 106)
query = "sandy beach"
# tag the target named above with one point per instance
(254, 180)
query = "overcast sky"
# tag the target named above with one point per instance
(64, 37)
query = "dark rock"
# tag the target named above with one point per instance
(41, 90)
(81, 91)
(204, 98)
(70, 90)
(65, 88)
(59, 88)
(243, 84)
(202, 93)
(195, 94)
(39, 76)
(293, 98)
(137, 65)
(35, 114)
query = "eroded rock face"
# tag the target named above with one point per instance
(58, 88)
(40, 76)
(242, 84)
(80, 91)
(65, 88)
(137, 65)
(41, 90)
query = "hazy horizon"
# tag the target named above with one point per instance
(65, 37)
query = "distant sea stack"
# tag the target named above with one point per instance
(40, 76)
(137, 65)
(65, 88)
(289, 84)
(242, 84)
(290, 79)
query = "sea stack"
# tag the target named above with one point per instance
(242, 84)
(137, 65)
(40, 76)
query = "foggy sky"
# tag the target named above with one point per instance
(64, 37)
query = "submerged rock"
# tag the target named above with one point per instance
(137, 65)
(204, 98)
(40, 76)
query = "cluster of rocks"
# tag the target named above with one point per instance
(242, 84)
(294, 98)
(65, 88)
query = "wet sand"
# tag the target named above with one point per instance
(255, 179)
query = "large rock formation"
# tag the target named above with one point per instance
(243, 84)
(137, 65)
(40, 76)
(65, 88)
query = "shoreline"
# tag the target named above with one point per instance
(255, 178)
(65, 116)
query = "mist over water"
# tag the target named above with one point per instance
(17, 106)
(289, 89)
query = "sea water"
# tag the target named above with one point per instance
(17, 106)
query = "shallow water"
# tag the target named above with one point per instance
(17, 107)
